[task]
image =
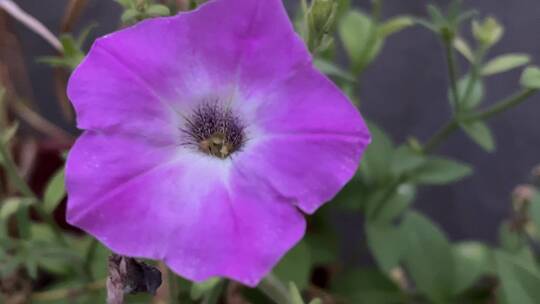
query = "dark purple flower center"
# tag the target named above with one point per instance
(214, 130)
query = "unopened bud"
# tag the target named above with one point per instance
(488, 32)
(322, 15)
(321, 21)
(522, 194)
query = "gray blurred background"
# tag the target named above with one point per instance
(404, 91)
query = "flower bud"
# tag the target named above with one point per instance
(321, 20)
(488, 32)
(322, 15)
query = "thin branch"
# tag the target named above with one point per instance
(32, 23)
(41, 124)
(65, 293)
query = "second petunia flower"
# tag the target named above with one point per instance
(206, 136)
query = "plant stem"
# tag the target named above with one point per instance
(473, 78)
(488, 113)
(452, 71)
(272, 287)
(88, 258)
(440, 136)
(503, 105)
(173, 286)
(64, 293)
(24, 189)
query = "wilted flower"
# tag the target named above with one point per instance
(206, 136)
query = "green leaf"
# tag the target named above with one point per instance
(330, 69)
(440, 171)
(199, 290)
(428, 257)
(54, 191)
(475, 96)
(296, 298)
(395, 25)
(368, 286)
(359, 36)
(404, 159)
(10, 132)
(386, 244)
(479, 132)
(393, 207)
(519, 282)
(505, 63)
(316, 301)
(158, 10)
(376, 161)
(323, 247)
(11, 205)
(53, 258)
(295, 266)
(534, 210)
(129, 16)
(531, 78)
(463, 48)
(472, 261)
(510, 239)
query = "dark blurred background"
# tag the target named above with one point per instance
(404, 91)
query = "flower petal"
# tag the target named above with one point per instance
(311, 139)
(152, 71)
(193, 211)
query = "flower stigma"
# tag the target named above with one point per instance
(214, 130)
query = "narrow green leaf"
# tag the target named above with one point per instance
(295, 266)
(404, 159)
(158, 10)
(475, 96)
(316, 301)
(330, 69)
(296, 298)
(440, 171)
(463, 48)
(356, 29)
(199, 290)
(10, 205)
(54, 191)
(364, 285)
(472, 261)
(531, 78)
(509, 239)
(8, 134)
(376, 161)
(480, 133)
(393, 207)
(386, 243)
(129, 15)
(428, 257)
(519, 282)
(505, 63)
(534, 209)
(395, 25)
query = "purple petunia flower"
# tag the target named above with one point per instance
(206, 136)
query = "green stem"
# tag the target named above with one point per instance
(440, 136)
(503, 105)
(173, 287)
(473, 78)
(68, 293)
(272, 287)
(452, 71)
(89, 258)
(497, 108)
(24, 189)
